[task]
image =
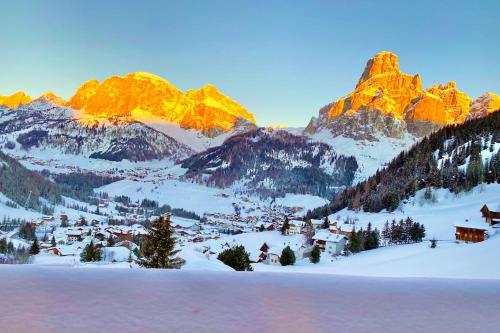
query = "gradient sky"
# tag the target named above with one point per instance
(282, 60)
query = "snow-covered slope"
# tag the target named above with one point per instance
(371, 155)
(42, 124)
(439, 214)
(89, 300)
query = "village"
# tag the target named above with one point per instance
(118, 232)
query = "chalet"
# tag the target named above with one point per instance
(317, 224)
(267, 226)
(47, 218)
(490, 216)
(262, 254)
(74, 236)
(295, 227)
(62, 251)
(274, 253)
(471, 232)
(331, 243)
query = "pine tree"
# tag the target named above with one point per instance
(87, 254)
(3, 245)
(315, 255)
(285, 226)
(326, 223)
(354, 242)
(159, 246)
(111, 241)
(262, 228)
(53, 241)
(35, 248)
(287, 257)
(237, 258)
(309, 232)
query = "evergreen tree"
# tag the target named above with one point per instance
(287, 257)
(87, 254)
(35, 248)
(285, 226)
(237, 258)
(315, 255)
(309, 232)
(159, 246)
(53, 241)
(262, 228)
(111, 241)
(326, 223)
(3, 245)
(354, 242)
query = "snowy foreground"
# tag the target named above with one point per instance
(93, 300)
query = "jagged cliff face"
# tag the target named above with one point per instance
(15, 100)
(139, 94)
(485, 105)
(390, 102)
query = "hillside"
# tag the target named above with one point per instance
(457, 157)
(272, 163)
(20, 184)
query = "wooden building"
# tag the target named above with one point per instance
(490, 217)
(470, 232)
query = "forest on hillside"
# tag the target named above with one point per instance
(25, 187)
(456, 157)
(273, 163)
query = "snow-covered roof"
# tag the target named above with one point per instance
(117, 253)
(328, 237)
(317, 222)
(472, 225)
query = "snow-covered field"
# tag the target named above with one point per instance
(195, 197)
(91, 300)
(448, 260)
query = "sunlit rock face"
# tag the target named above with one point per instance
(14, 100)
(206, 109)
(485, 105)
(443, 105)
(389, 102)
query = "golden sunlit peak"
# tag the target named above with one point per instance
(50, 96)
(14, 100)
(141, 93)
(276, 126)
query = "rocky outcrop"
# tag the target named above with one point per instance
(485, 105)
(206, 109)
(389, 102)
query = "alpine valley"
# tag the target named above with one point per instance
(126, 150)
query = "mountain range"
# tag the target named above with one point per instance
(142, 117)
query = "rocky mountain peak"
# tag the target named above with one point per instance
(14, 100)
(382, 63)
(144, 94)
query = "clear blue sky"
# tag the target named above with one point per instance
(283, 60)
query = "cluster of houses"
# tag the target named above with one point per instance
(71, 240)
(477, 231)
